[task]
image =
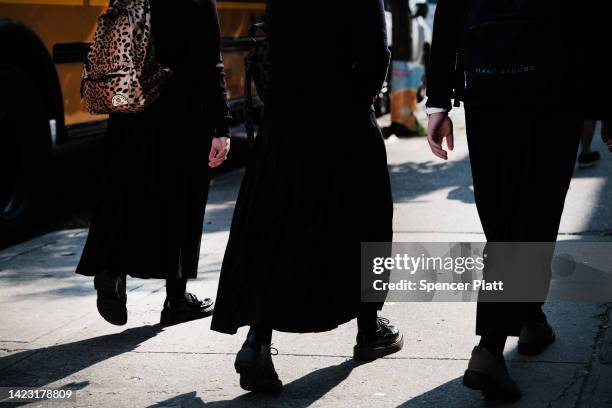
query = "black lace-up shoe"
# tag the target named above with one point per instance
(185, 309)
(488, 373)
(256, 369)
(386, 340)
(111, 297)
(590, 159)
(535, 337)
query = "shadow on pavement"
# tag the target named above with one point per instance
(41, 367)
(300, 393)
(410, 180)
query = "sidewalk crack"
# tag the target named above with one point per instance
(582, 374)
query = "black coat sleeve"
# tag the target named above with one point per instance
(447, 34)
(369, 47)
(214, 88)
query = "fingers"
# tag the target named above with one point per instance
(218, 151)
(440, 127)
(218, 159)
(436, 148)
(450, 138)
(213, 153)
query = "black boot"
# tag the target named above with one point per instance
(255, 366)
(487, 373)
(185, 309)
(535, 337)
(112, 297)
(373, 344)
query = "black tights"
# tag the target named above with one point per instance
(367, 321)
(176, 288)
(494, 343)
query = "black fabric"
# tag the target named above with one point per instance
(367, 319)
(512, 49)
(446, 42)
(308, 62)
(148, 219)
(258, 336)
(446, 78)
(187, 39)
(495, 344)
(522, 161)
(596, 80)
(318, 183)
(176, 288)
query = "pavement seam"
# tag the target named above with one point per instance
(111, 350)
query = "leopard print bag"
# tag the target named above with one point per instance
(120, 72)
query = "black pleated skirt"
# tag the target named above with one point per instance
(149, 215)
(317, 186)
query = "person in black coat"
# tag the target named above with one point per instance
(149, 215)
(522, 154)
(316, 187)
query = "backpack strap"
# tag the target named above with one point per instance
(248, 85)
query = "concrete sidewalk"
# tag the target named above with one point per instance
(52, 336)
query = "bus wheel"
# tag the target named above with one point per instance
(25, 152)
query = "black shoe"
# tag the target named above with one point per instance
(111, 297)
(588, 159)
(256, 369)
(185, 309)
(384, 341)
(535, 337)
(488, 373)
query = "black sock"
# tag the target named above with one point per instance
(534, 313)
(494, 343)
(367, 319)
(176, 288)
(257, 336)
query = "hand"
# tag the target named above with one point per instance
(219, 150)
(440, 127)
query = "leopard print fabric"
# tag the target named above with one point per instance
(120, 73)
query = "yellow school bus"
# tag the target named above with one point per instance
(43, 44)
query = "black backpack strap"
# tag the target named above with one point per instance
(255, 28)
(248, 104)
(248, 85)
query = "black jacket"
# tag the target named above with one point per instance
(446, 42)
(188, 40)
(335, 53)
(581, 77)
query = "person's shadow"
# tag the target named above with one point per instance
(44, 366)
(300, 393)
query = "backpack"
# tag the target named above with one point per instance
(257, 72)
(120, 72)
(512, 51)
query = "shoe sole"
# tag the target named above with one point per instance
(527, 349)
(489, 389)
(166, 319)
(111, 306)
(249, 381)
(587, 165)
(368, 354)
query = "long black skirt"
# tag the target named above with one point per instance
(149, 215)
(317, 186)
